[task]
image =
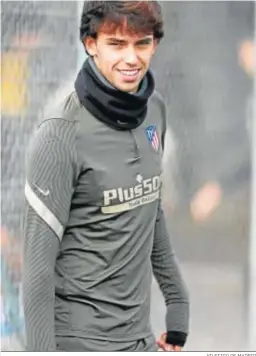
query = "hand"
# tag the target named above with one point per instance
(167, 347)
(246, 57)
(206, 201)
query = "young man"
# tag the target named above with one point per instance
(94, 228)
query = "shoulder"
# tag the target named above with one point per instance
(156, 99)
(59, 115)
(63, 105)
(157, 105)
(56, 122)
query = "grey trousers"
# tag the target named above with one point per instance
(77, 344)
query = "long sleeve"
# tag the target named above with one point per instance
(50, 178)
(169, 278)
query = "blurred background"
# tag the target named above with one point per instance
(205, 70)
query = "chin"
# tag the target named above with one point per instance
(128, 87)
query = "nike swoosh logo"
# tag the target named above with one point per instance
(44, 192)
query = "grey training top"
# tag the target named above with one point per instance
(94, 230)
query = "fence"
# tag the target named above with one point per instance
(202, 70)
(39, 50)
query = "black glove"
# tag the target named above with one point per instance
(176, 338)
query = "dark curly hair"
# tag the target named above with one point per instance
(132, 16)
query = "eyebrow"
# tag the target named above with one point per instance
(120, 41)
(116, 40)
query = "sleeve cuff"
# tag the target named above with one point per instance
(177, 338)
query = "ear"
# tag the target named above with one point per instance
(90, 45)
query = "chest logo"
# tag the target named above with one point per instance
(152, 136)
(145, 191)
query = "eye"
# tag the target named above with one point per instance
(144, 43)
(115, 44)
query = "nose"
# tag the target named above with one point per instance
(130, 56)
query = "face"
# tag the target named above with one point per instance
(122, 58)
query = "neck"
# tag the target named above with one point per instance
(119, 109)
(98, 73)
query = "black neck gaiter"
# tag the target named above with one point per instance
(116, 108)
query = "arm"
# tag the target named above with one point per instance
(49, 187)
(164, 263)
(168, 276)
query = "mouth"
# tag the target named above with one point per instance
(130, 74)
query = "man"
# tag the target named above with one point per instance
(207, 95)
(94, 228)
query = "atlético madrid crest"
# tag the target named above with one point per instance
(153, 136)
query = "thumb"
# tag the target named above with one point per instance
(169, 347)
(177, 348)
